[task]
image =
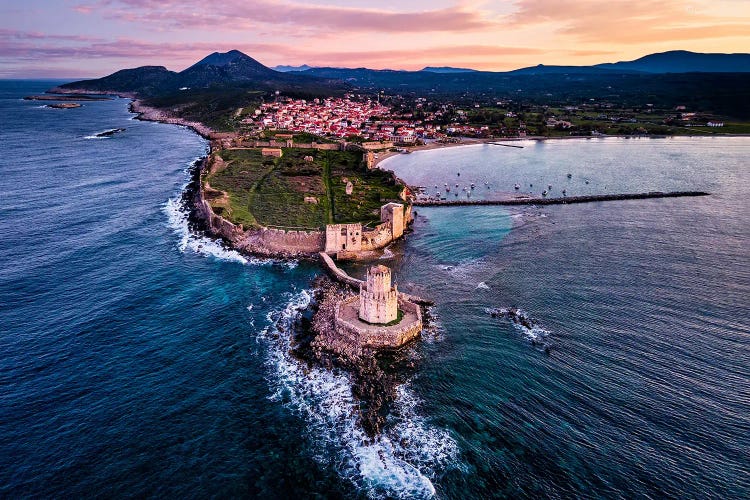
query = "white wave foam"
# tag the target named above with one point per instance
(483, 285)
(99, 135)
(178, 221)
(434, 330)
(387, 254)
(399, 463)
(536, 332)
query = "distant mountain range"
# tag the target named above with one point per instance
(675, 61)
(715, 81)
(682, 61)
(235, 68)
(285, 69)
(447, 69)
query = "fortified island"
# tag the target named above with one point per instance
(332, 186)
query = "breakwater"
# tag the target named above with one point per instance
(561, 201)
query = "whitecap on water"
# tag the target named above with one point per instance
(387, 254)
(397, 464)
(535, 332)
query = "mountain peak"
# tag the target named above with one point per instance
(224, 67)
(684, 61)
(224, 58)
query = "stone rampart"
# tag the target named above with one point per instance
(270, 241)
(324, 146)
(266, 241)
(378, 336)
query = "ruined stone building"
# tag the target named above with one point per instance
(346, 240)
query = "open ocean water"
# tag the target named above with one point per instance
(140, 359)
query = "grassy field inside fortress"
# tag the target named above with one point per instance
(291, 192)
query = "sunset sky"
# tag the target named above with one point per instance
(91, 38)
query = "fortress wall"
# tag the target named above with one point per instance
(268, 241)
(408, 216)
(326, 146)
(379, 237)
(263, 241)
(374, 336)
(350, 241)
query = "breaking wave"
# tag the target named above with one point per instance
(178, 220)
(188, 240)
(399, 463)
(522, 322)
(104, 134)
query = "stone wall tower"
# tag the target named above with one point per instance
(378, 300)
(393, 213)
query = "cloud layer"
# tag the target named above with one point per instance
(95, 37)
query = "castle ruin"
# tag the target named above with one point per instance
(347, 241)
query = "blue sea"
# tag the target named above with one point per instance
(139, 358)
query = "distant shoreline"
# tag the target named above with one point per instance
(382, 157)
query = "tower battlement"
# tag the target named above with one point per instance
(378, 299)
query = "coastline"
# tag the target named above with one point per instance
(145, 113)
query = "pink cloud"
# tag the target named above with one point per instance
(239, 15)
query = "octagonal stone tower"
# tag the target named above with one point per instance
(378, 300)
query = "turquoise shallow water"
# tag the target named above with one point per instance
(140, 359)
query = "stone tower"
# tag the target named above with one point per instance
(378, 300)
(393, 213)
